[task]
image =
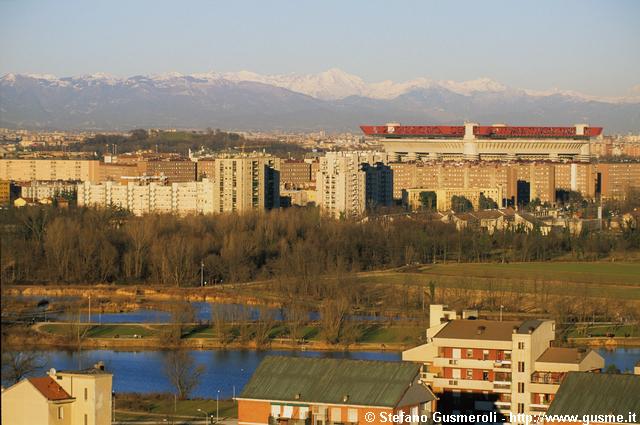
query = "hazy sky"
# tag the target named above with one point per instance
(589, 46)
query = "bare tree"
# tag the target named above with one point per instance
(18, 365)
(182, 372)
(182, 315)
(263, 326)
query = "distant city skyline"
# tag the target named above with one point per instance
(585, 46)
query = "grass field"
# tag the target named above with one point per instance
(602, 280)
(154, 409)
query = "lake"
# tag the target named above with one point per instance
(228, 371)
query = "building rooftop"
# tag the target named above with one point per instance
(334, 381)
(49, 388)
(490, 330)
(563, 355)
(597, 394)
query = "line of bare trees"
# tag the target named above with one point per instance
(42, 244)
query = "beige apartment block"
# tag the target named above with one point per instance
(25, 170)
(175, 170)
(507, 366)
(577, 177)
(246, 183)
(62, 398)
(411, 197)
(617, 180)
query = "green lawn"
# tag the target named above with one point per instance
(584, 331)
(105, 331)
(144, 410)
(603, 273)
(392, 334)
(602, 280)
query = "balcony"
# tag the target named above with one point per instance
(502, 386)
(538, 407)
(502, 365)
(553, 378)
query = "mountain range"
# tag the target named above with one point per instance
(332, 100)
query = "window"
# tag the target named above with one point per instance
(521, 387)
(336, 414)
(86, 393)
(287, 412)
(353, 415)
(60, 412)
(520, 366)
(469, 353)
(275, 410)
(303, 412)
(456, 373)
(485, 375)
(86, 419)
(469, 373)
(485, 354)
(456, 353)
(520, 407)
(521, 346)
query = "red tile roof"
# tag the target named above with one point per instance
(49, 388)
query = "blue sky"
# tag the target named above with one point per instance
(588, 46)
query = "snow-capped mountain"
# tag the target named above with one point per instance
(331, 100)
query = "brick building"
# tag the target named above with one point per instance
(298, 391)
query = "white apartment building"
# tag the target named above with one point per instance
(41, 191)
(502, 366)
(341, 182)
(177, 198)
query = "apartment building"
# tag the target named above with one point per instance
(577, 177)
(80, 397)
(117, 171)
(24, 170)
(488, 365)
(41, 191)
(245, 183)
(341, 183)
(616, 180)
(153, 198)
(175, 170)
(298, 390)
(296, 174)
(412, 197)
(5, 192)
(535, 180)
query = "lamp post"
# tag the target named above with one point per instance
(206, 416)
(217, 406)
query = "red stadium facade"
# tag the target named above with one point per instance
(472, 141)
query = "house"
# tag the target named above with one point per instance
(598, 398)
(489, 365)
(81, 397)
(36, 401)
(292, 391)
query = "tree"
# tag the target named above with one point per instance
(18, 365)
(428, 200)
(182, 315)
(182, 372)
(486, 203)
(461, 204)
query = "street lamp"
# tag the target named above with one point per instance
(217, 406)
(206, 416)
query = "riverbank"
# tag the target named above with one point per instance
(149, 337)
